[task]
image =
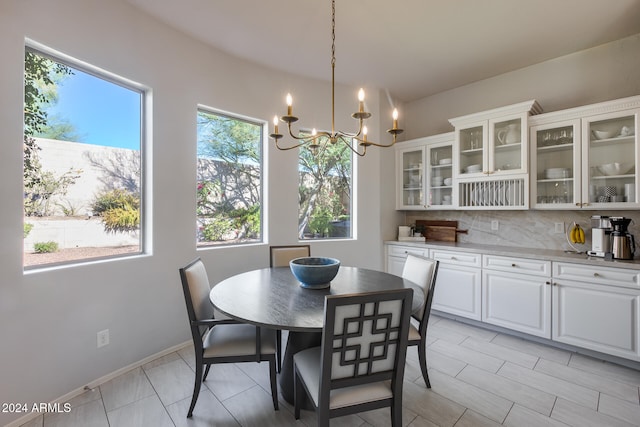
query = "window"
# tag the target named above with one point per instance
(82, 162)
(325, 192)
(229, 179)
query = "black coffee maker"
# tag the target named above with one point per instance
(623, 245)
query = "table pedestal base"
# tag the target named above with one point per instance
(296, 342)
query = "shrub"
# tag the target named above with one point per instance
(27, 229)
(45, 247)
(121, 219)
(216, 229)
(115, 199)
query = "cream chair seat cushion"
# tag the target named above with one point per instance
(237, 340)
(414, 334)
(308, 363)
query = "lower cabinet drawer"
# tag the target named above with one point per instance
(468, 259)
(403, 251)
(517, 265)
(602, 275)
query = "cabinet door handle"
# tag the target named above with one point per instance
(548, 283)
(513, 265)
(596, 275)
(454, 258)
(578, 204)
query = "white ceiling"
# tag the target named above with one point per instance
(412, 48)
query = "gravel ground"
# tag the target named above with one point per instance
(63, 255)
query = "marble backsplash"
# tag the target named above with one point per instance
(529, 229)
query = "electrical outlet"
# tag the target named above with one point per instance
(495, 225)
(103, 338)
(559, 228)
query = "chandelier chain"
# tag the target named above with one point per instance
(333, 32)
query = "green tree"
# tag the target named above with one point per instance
(229, 175)
(325, 179)
(41, 75)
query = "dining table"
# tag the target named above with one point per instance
(273, 298)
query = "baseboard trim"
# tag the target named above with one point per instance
(99, 381)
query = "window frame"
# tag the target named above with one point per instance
(262, 140)
(145, 93)
(352, 196)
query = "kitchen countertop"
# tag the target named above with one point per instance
(533, 253)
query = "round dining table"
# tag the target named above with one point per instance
(273, 298)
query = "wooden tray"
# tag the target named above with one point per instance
(439, 230)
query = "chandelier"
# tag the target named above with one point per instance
(319, 139)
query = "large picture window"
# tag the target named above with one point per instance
(83, 167)
(325, 179)
(229, 179)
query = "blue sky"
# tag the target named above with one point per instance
(102, 113)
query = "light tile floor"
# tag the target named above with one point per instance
(479, 378)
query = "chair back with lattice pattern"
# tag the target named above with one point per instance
(365, 338)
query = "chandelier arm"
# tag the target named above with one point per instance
(375, 144)
(350, 145)
(307, 138)
(354, 134)
(289, 148)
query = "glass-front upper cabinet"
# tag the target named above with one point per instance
(508, 137)
(471, 149)
(493, 143)
(611, 156)
(555, 165)
(440, 175)
(410, 178)
(424, 173)
(586, 157)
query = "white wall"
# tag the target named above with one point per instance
(49, 319)
(605, 72)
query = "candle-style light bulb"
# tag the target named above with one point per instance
(364, 133)
(289, 104)
(361, 100)
(314, 132)
(275, 124)
(395, 118)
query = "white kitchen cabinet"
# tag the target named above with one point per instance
(410, 177)
(493, 142)
(492, 151)
(586, 157)
(516, 294)
(397, 255)
(458, 283)
(422, 166)
(600, 312)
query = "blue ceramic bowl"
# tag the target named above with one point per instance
(314, 272)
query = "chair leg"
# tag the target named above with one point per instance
(196, 388)
(279, 349)
(396, 412)
(274, 386)
(422, 358)
(297, 386)
(206, 372)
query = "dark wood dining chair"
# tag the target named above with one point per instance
(423, 272)
(279, 256)
(221, 340)
(360, 363)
